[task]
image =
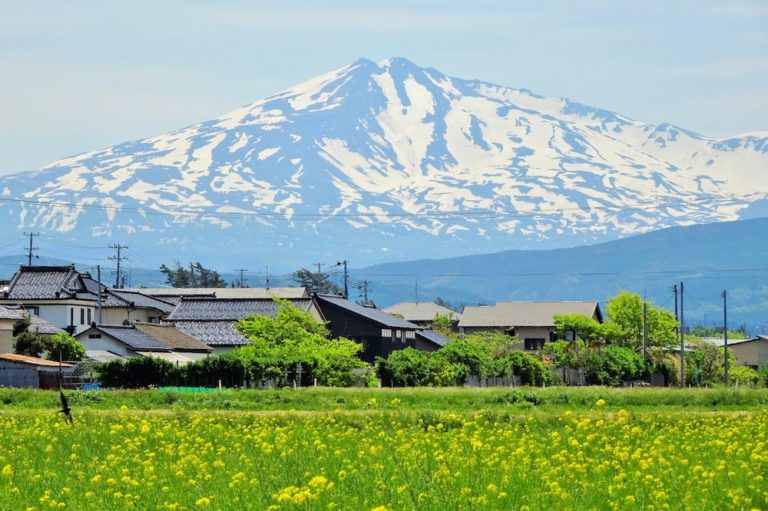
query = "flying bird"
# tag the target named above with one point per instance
(65, 409)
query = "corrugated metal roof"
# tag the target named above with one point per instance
(213, 333)
(24, 359)
(523, 314)
(218, 309)
(375, 315)
(420, 311)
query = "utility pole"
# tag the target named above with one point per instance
(645, 330)
(241, 271)
(31, 248)
(682, 335)
(98, 280)
(346, 277)
(319, 268)
(118, 258)
(267, 282)
(364, 286)
(416, 291)
(725, 333)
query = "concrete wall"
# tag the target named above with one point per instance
(116, 315)
(6, 335)
(754, 353)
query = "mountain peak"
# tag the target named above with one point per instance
(390, 159)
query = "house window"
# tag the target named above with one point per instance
(89, 316)
(32, 309)
(532, 344)
(402, 336)
(395, 335)
(72, 316)
(82, 316)
(94, 336)
(386, 333)
(410, 334)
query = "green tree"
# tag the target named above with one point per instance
(29, 343)
(293, 340)
(408, 367)
(194, 275)
(315, 282)
(625, 312)
(444, 324)
(65, 346)
(583, 327)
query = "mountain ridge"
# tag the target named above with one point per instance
(385, 160)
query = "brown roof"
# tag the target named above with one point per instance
(524, 314)
(168, 335)
(24, 359)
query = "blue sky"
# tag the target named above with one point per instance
(81, 75)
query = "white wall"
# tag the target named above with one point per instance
(106, 343)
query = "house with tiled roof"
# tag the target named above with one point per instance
(70, 300)
(380, 333)
(175, 340)
(241, 293)
(531, 322)
(212, 320)
(56, 294)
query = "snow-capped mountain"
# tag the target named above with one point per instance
(377, 161)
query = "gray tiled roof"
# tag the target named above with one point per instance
(44, 283)
(14, 314)
(523, 314)
(213, 333)
(371, 314)
(220, 309)
(131, 337)
(142, 301)
(433, 337)
(420, 311)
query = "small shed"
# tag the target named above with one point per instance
(31, 372)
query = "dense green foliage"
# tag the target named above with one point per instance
(194, 275)
(602, 364)
(63, 346)
(487, 355)
(625, 310)
(59, 346)
(290, 349)
(294, 341)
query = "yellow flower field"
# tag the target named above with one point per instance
(383, 461)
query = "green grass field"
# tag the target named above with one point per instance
(535, 449)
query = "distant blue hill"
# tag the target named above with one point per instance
(708, 258)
